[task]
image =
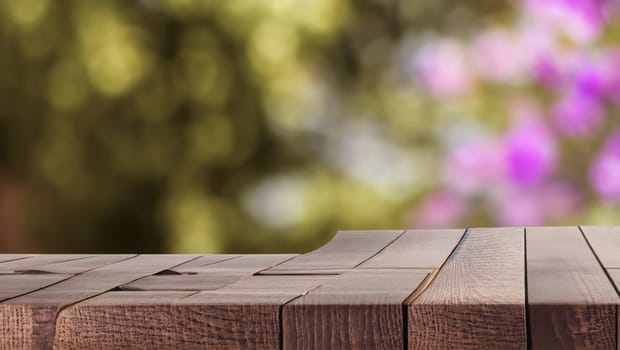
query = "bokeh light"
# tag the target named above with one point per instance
(265, 126)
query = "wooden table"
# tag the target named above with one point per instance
(496, 288)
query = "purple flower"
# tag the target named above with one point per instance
(612, 75)
(605, 170)
(474, 165)
(531, 152)
(580, 20)
(590, 81)
(578, 115)
(520, 207)
(536, 205)
(547, 71)
(440, 209)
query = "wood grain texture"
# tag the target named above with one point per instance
(572, 303)
(242, 315)
(361, 309)
(10, 257)
(209, 276)
(12, 286)
(605, 241)
(345, 251)
(35, 261)
(417, 249)
(477, 300)
(203, 281)
(76, 265)
(28, 321)
(250, 264)
(202, 261)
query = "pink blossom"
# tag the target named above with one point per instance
(605, 170)
(531, 152)
(547, 71)
(561, 199)
(443, 68)
(581, 20)
(590, 80)
(520, 208)
(578, 115)
(612, 75)
(536, 205)
(498, 56)
(474, 165)
(441, 209)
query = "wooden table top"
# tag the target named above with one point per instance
(496, 288)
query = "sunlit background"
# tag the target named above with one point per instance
(253, 126)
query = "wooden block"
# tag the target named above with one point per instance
(29, 320)
(571, 302)
(12, 286)
(346, 250)
(242, 315)
(417, 249)
(605, 241)
(361, 309)
(76, 265)
(477, 300)
(36, 261)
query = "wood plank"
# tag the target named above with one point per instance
(203, 281)
(293, 272)
(249, 263)
(12, 286)
(76, 265)
(417, 249)
(29, 320)
(346, 250)
(10, 257)
(477, 300)
(572, 303)
(361, 309)
(210, 276)
(614, 274)
(35, 261)
(202, 261)
(605, 241)
(242, 315)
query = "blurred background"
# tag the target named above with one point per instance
(265, 126)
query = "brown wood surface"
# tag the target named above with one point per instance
(605, 241)
(210, 276)
(250, 263)
(15, 285)
(361, 309)
(35, 261)
(477, 300)
(200, 262)
(491, 288)
(10, 257)
(29, 320)
(417, 249)
(75, 265)
(346, 250)
(572, 303)
(242, 315)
